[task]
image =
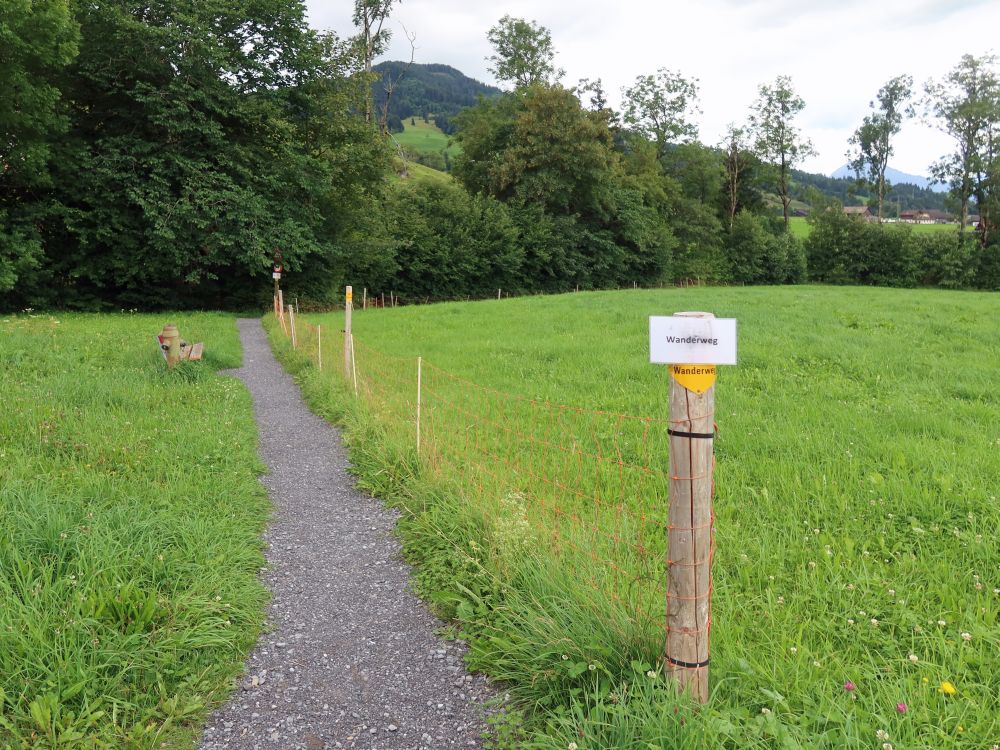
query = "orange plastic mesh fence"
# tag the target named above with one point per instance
(589, 488)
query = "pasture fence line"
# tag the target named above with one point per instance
(587, 489)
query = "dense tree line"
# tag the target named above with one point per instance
(173, 149)
(161, 155)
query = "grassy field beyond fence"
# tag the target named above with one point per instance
(130, 517)
(857, 527)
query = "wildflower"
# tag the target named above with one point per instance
(979, 586)
(966, 636)
(886, 746)
(591, 667)
(850, 587)
(947, 688)
(913, 658)
(874, 622)
(862, 613)
(850, 687)
(882, 734)
(651, 674)
(924, 680)
(942, 623)
(794, 650)
(815, 663)
(892, 592)
(850, 621)
(765, 711)
(571, 746)
(959, 729)
(565, 657)
(781, 600)
(901, 708)
(812, 565)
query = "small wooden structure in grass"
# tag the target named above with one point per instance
(174, 350)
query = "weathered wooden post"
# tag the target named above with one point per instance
(693, 343)
(348, 343)
(291, 324)
(171, 344)
(319, 347)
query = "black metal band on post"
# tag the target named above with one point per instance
(688, 664)
(701, 435)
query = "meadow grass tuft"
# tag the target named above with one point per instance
(856, 513)
(130, 521)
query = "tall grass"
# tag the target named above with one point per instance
(129, 531)
(857, 524)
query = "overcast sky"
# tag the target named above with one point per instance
(838, 53)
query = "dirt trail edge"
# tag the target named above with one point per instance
(351, 659)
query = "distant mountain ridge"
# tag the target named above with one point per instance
(895, 177)
(425, 91)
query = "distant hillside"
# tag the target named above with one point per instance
(902, 196)
(895, 177)
(426, 91)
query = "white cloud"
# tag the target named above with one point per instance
(837, 53)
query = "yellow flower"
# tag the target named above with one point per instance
(924, 680)
(960, 729)
(947, 688)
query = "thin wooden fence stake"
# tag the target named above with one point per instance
(291, 324)
(364, 298)
(498, 294)
(348, 304)
(296, 305)
(690, 543)
(354, 369)
(419, 383)
(319, 347)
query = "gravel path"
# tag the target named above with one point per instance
(351, 659)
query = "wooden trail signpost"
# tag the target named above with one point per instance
(692, 343)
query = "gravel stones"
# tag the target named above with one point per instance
(350, 659)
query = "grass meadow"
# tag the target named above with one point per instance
(800, 227)
(130, 521)
(857, 560)
(422, 137)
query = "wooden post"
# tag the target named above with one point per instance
(291, 324)
(383, 300)
(498, 294)
(690, 542)
(420, 368)
(348, 343)
(296, 305)
(354, 369)
(319, 347)
(364, 298)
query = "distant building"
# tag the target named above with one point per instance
(861, 212)
(940, 217)
(916, 217)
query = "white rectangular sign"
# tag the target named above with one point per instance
(679, 340)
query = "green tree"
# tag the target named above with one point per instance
(966, 106)
(737, 166)
(37, 39)
(872, 142)
(660, 107)
(202, 137)
(583, 220)
(776, 139)
(523, 53)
